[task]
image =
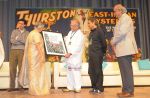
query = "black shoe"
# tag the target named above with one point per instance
(98, 92)
(92, 91)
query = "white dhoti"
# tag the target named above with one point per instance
(74, 43)
(73, 77)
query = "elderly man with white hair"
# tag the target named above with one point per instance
(74, 43)
(124, 45)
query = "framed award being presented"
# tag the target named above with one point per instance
(54, 43)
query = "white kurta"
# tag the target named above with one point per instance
(74, 43)
(2, 55)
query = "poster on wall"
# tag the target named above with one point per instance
(54, 43)
(58, 20)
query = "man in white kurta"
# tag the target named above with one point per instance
(74, 43)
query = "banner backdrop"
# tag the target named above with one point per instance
(58, 20)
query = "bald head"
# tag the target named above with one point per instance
(75, 24)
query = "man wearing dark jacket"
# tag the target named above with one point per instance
(97, 49)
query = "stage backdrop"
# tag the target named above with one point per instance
(58, 20)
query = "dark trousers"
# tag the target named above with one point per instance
(125, 65)
(95, 71)
(15, 60)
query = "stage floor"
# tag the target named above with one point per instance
(110, 92)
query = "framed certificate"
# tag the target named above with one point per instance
(54, 43)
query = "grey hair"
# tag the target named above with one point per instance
(39, 25)
(121, 8)
(124, 10)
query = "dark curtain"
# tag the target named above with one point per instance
(7, 15)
